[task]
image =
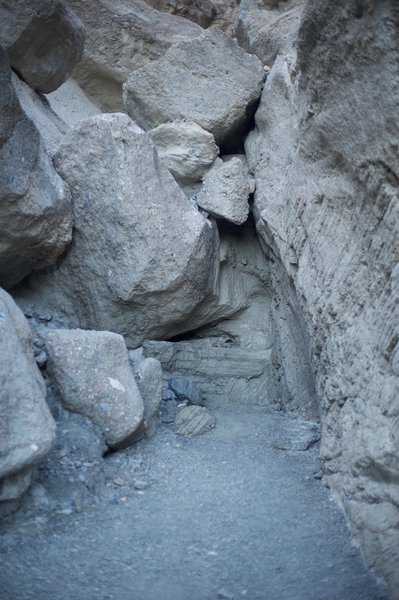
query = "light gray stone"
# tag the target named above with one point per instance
(209, 80)
(27, 429)
(186, 149)
(143, 259)
(150, 383)
(44, 40)
(35, 212)
(225, 191)
(122, 35)
(91, 373)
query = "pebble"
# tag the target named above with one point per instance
(223, 594)
(140, 484)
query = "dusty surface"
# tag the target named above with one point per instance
(225, 515)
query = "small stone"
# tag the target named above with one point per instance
(140, 484)
(118, 481)
(225, 594)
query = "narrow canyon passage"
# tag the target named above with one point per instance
(235, 513)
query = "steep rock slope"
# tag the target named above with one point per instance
(325, 156)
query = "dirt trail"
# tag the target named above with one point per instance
(224, 515)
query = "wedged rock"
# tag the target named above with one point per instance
(186, 149)
(268, 27)
(148, 374)
(225, 191)
(44, 40)
(122, 35)
(71, 104)
(27, 429)
(35, 212)
(90, 371)
(143, 259)
(209, 80)
(203, 12)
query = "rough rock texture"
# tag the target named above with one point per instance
(324, 153)
(186, 149)
(44, 40)
(148, 375)
(225, 191)
(203, 12)
(122, 35)
(142, 258)
(71, 103)
(268, 27)
(209, 80)
(27, 429)
(90, 371)
(35, 213)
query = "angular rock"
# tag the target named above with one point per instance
(194, 420)
(27, 429)
(267, 27)
(150, 383)
(225, 191)
(186, 149)
(185, 389)
(90, 371)
(44, 40)
(209, 80)
(143, 258)
(122, 35)
(35, 212)
(71, 104)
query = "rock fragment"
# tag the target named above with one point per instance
(209, 80)
(194, 420)
(91, 373)
(149, 380)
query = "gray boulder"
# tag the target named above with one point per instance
(143, 258)
(186, 149)
(209, 80)
(122, 36)
(90, 371)
(27, 429)
(35, 212)
(44, 40)
(225, 191)
(203, 12)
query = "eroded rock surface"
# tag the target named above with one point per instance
(35, 212)
(209, 80)
(91, 373)
(44, 40)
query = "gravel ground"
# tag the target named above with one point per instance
(235, 513)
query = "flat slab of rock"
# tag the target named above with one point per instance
(209, 80)
(44, 40)
(186, 149)
(226, 190)
(194, 420)
(91, 373)
(27, 429)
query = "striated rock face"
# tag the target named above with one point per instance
(142, 259)
(35, 212)
(91, 374)
(324, 154)
(27, 429)
(209, 80)
(44, 40)
(122, 35)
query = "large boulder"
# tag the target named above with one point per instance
(44, 40)
(27, 429)
(209, 80)
(268, 28)
(122, 35)
(186, 149)
(35, 212)
(91, 374)
(142, 259)
(324, 154)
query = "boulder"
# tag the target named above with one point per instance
(122, 35)
(209, 80)
(203, 12)
(90, 371)
(35, 212)
(44, 40)
(268, 27)
(71, 104)
(27, 429)
(143, 258)
(186, 149)
(149, 380)
(225, 191)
